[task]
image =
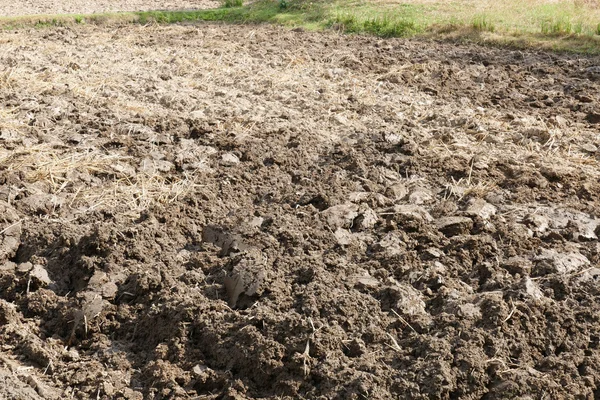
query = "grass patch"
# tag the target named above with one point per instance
(561, 26)
(258, 12)
(383, 26)
(398, 21)
(482, 24)
(233, 3)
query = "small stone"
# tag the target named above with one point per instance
(481, 208)
(40, 274)
(532, 289)
(452, 226)
(256, 222)
(200, 369)
(229, 159)
(393, 138)
(341, 216)
(24, 267)
(343, 237)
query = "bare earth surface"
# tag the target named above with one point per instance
(50, 7)
(234, 212)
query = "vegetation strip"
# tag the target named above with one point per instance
(558, 26)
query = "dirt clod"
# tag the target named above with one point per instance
(452, 226)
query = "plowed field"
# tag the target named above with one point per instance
(239, 212)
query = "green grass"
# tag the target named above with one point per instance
(383, 25)
(259, 12)
(482, 24)
(397, 21)
(233, 3)
(562, 26)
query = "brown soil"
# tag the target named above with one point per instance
(51, 7)
(236, 212)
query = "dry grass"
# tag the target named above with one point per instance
(110, 186)
(529, 23)
(118, 83)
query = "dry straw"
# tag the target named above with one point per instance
(91, 179)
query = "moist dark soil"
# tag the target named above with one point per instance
(240, 212)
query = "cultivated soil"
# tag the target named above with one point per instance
(51, 7)
(240, 212)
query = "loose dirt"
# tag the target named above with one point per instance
(52, 7)
(237, 212)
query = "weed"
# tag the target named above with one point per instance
(233, 3)
(383, 26)
(53, 22)
(559, 26)
(482, 24)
